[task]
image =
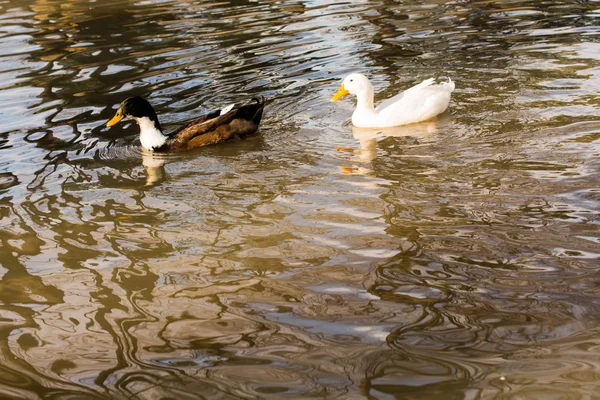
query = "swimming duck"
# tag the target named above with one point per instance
(217, 126)
(418, 103)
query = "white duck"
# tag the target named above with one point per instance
(418, 103)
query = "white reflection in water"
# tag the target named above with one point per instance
(368, 138)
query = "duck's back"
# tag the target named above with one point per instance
(215, 127)
(419, 103)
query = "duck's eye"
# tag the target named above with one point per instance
(351, 80)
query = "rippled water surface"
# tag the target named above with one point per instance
(452, 259)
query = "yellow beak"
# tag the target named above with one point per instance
(340, 93)
(118, 116)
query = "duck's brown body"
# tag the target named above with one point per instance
(214, 128)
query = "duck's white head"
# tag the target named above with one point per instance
(353, 84)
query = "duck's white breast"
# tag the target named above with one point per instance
(150, 136)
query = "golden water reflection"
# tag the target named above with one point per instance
(455, 258)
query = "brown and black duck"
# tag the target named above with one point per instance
(217, 126)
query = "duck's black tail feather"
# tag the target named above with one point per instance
(252, 111)
(260, 101)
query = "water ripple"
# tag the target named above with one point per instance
(453, 258)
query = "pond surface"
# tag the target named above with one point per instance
(456, 258)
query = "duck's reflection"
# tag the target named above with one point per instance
(154, 163)
(368, 138)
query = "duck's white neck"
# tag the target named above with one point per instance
(150, 136)
(365, 109)
(365, 99)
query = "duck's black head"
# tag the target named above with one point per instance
(134, 107)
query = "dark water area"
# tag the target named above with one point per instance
(452, 259)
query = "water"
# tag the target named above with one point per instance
(451, 259)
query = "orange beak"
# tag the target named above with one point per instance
(340, 93)
(118, 116)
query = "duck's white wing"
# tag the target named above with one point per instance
(227, 109)
(407, 93)
(386, 103)
(418, 103)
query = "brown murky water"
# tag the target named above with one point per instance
(453, 259)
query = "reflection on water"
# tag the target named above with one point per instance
(368, 138)
(454, 258)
